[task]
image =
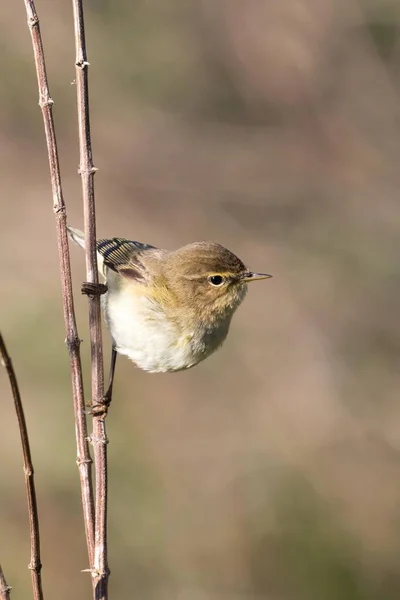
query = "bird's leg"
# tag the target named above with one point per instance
(102, 408)
(108, 394)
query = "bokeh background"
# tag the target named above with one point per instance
(272, 470)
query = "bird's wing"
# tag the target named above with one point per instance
(124, 257)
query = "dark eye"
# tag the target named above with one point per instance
(216, 280)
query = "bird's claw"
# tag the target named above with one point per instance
(93, 289)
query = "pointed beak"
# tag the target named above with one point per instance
(249, 276)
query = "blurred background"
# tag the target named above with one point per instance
(272, 470)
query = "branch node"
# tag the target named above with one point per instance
(91, 171)
(33, 21)
(91, 571)
(58, 210)
(35, 566)
(5, 589)
(83, 461)
(73, 343)
(103, 441)
(44, 103)
(82, 64)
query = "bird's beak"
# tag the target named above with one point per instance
(249, 276)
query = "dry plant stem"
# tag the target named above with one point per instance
(84, 460)
(35, 564)
(4, 588)
(99, 438)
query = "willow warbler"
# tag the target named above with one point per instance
(167, 311)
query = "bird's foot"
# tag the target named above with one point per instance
(98, 409)
(93, 289)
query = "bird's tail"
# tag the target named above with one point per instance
(78, 237)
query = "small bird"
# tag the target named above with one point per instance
(168, 311)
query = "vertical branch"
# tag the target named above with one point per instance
(99, 437)
(84, 460)
(4, 588)
(35, 564)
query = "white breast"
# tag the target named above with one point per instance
(143, 332)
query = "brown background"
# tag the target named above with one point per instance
(272, 470)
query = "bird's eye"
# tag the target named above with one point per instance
(216, 280)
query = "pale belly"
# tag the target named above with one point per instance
(142, 332)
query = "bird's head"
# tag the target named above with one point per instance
(207, 280)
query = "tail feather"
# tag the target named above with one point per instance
(78, 237)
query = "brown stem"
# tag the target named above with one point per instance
(35, 564)
(99, 438)
(84, 460)
(4, 588)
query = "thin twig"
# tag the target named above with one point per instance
(84, 460)
(99, 437)
(4, 588)
(35, 564)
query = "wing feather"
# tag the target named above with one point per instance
(123, 256)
